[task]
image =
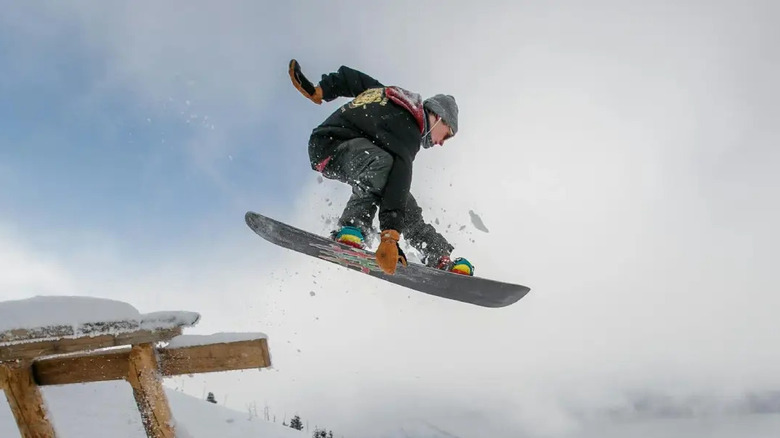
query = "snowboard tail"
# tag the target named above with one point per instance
(473, 290)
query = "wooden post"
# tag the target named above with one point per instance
(144, 376)
(25, 400)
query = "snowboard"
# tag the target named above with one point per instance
(472, 290)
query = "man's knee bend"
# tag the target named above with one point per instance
(378, 170)
(381, 162)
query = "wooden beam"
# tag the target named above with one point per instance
(215, 357)
(150, 397)
(25, 400)
(82, 369)
(114, 365)
(32, 350)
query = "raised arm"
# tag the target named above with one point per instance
(346, 82)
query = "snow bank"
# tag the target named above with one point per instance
(50, 317)
(43, 311)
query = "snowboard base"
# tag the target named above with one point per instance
(473, 290)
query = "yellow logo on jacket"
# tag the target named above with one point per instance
(372, 95)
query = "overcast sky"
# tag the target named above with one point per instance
(623, 156)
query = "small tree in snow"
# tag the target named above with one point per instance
(321, 433)
(296, 423)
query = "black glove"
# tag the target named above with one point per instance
(304, 85)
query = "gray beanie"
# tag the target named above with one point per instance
(444, 106)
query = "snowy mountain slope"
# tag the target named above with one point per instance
(107, 409)
(727, 426)
(730, 426)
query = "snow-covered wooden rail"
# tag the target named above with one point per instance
(65, 340)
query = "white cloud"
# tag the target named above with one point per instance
(29, 271)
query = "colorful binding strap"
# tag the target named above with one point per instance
(462, 266)
(351, 236)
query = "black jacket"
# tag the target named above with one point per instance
(372, 115)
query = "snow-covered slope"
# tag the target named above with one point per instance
(108, 409)
(725, 426)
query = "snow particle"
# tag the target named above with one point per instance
(477, 222)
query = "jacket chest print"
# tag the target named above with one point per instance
(373, 95)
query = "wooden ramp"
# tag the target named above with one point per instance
(140, 351)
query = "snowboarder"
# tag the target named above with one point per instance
(370, 143)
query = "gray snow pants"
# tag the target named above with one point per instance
(365, 167)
